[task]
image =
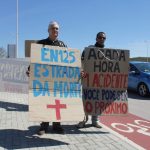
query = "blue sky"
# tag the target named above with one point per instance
(126, 23)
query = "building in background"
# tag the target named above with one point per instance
(11, 51)
(3, 53)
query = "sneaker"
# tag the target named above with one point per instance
(43, 128)
(97, 125)
(42, 131)
(81, 124)
(58, 129)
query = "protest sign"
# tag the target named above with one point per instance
(105, 85)
(55, 88)
(13, 75)
(28, 47)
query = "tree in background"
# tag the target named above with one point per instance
(3, 53)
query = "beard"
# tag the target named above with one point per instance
(101, 45)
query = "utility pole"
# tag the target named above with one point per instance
(17, 34)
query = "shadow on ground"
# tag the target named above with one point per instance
(72, 129)
(13, 106)
(17, 139)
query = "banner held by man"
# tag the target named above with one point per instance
(105, 85)
(55, 91)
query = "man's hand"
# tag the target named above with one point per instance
(28, 73)
(83, 74)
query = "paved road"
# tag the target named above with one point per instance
(139, 105)
(16, 132)
(136, 125)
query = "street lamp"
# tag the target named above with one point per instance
(17, 28)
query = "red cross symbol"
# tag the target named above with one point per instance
(58, 106)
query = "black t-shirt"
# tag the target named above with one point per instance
(50, 42)
(53, 43)
(96, 45)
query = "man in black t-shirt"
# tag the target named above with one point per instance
(53, 30)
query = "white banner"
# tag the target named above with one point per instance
(13, 76)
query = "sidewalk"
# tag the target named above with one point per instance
(16, 132)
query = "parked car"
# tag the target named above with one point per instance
(139, 77)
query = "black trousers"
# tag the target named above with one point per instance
(46, 124)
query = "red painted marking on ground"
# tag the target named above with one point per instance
(137, 129)
(58, 106)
